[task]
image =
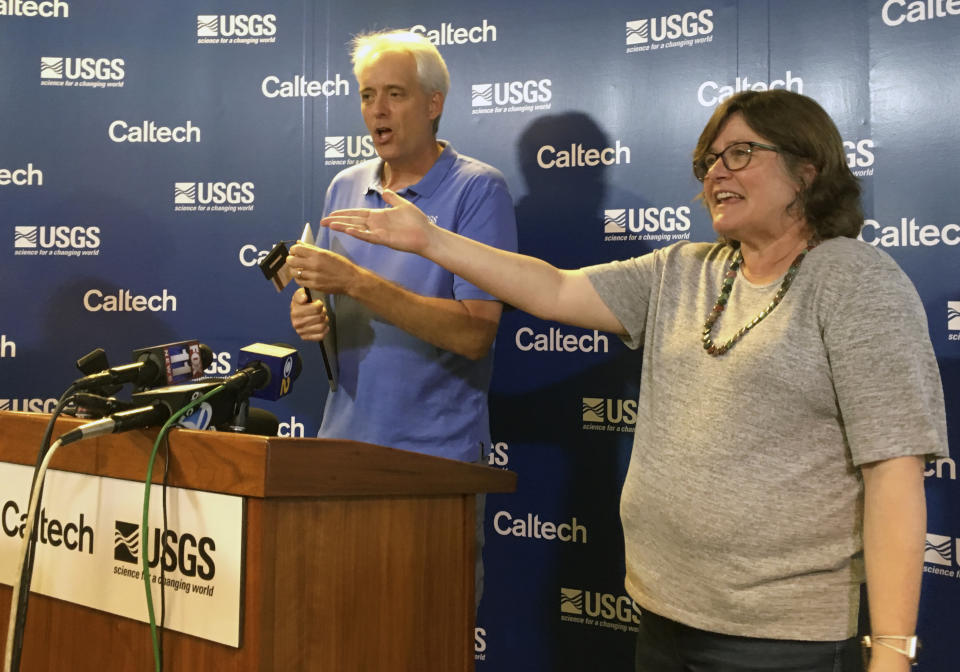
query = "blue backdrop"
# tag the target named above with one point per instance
(151, 153)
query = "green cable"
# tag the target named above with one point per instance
(146, 514)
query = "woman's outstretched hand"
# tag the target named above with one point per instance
(403, 226)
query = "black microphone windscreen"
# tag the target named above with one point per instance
(93, 362)
(261, 422)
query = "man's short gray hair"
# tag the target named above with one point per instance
(431, 70)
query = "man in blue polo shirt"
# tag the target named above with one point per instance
(414, 341)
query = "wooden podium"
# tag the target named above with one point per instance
(357, 557)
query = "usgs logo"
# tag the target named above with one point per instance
(86, 69)
(615, 411)
(46, 9)
(895, 12)
(674, 26)
(56, 237)
(480, 643)
(606, 606)
(125, 301)
(909, 234)
(7, 348)
(236, 25)
(187, 553)
(938, 550)
(711, 93)
(21, 177)
(531, 91)
(219, 364)
(651, 220)
(348, 147)
(447, 34)
(499, 455)
(860, 157)
(28, 405)
(213, 193)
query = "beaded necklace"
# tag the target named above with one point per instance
(728, 278)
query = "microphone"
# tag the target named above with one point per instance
(213, 412)
(158, 365)
(94, 362)
(144, 416)
(87, 405)
(156, 407)
(265, 371)
(268, 373)
(274, 267)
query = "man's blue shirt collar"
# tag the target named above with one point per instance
(428, 184)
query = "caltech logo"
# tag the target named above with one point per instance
(150, 131)
(236, 28)
(953, 320)
(446, 34)
(67, 241)
(125, 301)
(895, 12)
(88, 72)
(909, 234)
(603, 610)
(942, 468)
(711, 93)
(608, 415)
(301, 87)
(9, 348)
(182, 552)
(666, 223)
(519, 96)
(21, 177)
(555, 340)
(45, 9)
(73, 536)
(343, 150)
(531, 527)
(251, 256)
(860, 156)
(578, 156)
(213, 196)
(673, 31)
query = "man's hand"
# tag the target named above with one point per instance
(309, 318)
(322, 271)
(403, 227)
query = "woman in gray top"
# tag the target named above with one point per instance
(789, 396)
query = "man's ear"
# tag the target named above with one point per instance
(435, 107)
